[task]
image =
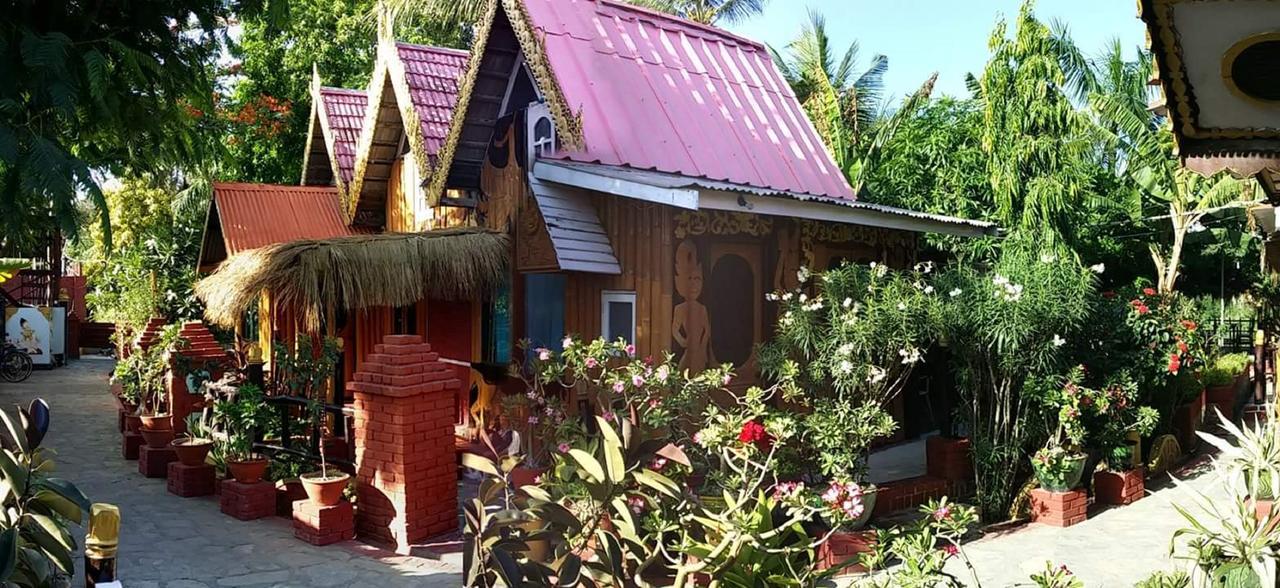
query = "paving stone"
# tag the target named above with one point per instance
(173, 542)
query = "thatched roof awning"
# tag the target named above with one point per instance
(357, 272)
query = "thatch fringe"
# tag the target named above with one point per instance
(357, 272)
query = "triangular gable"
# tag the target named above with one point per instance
(635, 88)
(411, 95)
(337, 116)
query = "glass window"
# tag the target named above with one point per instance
(496, 325)
(618, 315)
(544, 310)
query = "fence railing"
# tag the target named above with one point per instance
(292, 410)
(1234, 335)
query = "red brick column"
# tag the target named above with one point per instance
(842, 550)
(950, 459)
(1059, 509)
(200, 349)
(187, 481)
(405, 463)
(1119, 487)
(247, 501)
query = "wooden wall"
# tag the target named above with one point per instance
(643, 240)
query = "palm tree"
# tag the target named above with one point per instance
(1143, 149)
(708, 12)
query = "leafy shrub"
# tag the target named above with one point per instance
(1224, 369)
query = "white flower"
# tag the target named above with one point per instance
(956, 292)
(802, 274)
(999, 280)
(875, 374)
(786, 296)
(902, 306)
(567, 343)
(1098, 268)
(924, 267)
(845, 367)
(845, 349)
(1048, 258)
(772, 297)
(928, 289)
(847, 302)
(1058, 341)
(909, 356)
(881, 271)
(803, 297)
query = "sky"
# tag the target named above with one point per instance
(947, 36)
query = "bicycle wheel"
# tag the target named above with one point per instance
(15, 367)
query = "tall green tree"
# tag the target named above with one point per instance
(708, 12)
(1037, 143)
(93, 87)
(1140, 149)
(268, 108)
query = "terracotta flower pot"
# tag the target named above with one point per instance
(249, 471)
(157, 422)
(157, 439)
(192, 452)
(132, 422)
(324, 491)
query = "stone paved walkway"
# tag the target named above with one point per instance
(1115, 548)
(172, 542)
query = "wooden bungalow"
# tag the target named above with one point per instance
(654, 179)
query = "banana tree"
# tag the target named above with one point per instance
(1188, 197)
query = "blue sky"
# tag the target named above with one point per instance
(947, 36)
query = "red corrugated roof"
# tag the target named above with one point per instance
(661, 93)
(344, 113)
(257, 215)
(433, 74)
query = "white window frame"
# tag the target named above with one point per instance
(608, 296)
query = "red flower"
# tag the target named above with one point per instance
(1149, 291)
(1175, 363)
(1182, 347)
(1142, 309)
(1189, 325)
(752, 432)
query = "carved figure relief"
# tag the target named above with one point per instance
(784, 274)
(690, 325)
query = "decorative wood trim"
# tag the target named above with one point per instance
(320, 115)
(717, 222)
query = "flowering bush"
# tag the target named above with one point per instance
(1101, 418)
(1173, 341)
(1056, 577)
(846, 343)
(922, 549)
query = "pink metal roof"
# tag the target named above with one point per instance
(433, 74)
(257, 215)
(344, 110)
(661, 93)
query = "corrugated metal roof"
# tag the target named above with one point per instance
(257, 215)
(433, 74)
(344, 114)
(672, 181)
(661, 93)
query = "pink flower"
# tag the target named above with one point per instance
(658, 464)
(618, 387)
(533, 420)
(636, 503)
(609, 416)
(544, 354)
(1149, 291)
(592, 363)
(631, 350)
(943, 512)
(637, 380)
(950, 549)
(697, 438)
(786, 490)
(563, 447)
(653, 403)
(727, 378)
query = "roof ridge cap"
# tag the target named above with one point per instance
(711, 30)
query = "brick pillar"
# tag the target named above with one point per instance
(1059, 509)
(151, 332)
(1119, 487)
(405, 463)
(200, 351)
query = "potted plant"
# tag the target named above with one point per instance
(194, 445)
(325, 486)
(1057, 468)
(1228, 542)
(242, 415)
(1252, 463)
(306, 373)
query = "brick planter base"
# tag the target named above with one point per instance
(286, 494)
(909, 493)
(1119, 487)
(120, 419)
(1059, 509)
(247, 501)
(842, 549)
(130, 443)
(188, 481)
(949, 459)
(322, 525)
(154, 463)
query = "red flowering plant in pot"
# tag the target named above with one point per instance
(1175, 351)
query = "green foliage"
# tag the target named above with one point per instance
(36, 544)
(1225, 369)
(1225, 538)
(267, 113)
(1175, 579)
(142, 374)
(921, 549)
(98, 90)
(1252, 463)
(1056, 577)
(240, 416)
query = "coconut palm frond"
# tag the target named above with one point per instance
(357, 272)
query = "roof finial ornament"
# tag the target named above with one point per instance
(386, 22)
